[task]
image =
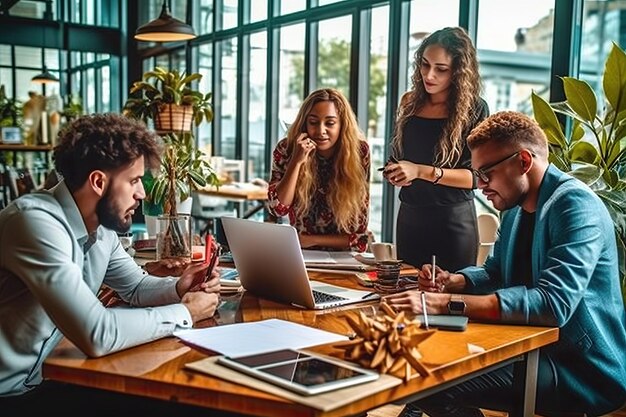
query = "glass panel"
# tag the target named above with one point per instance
(290, 6)
(258, 10)
(229, 17)
(333, 66)
(291, 83)
(90, 105)
(428, 16)
(205, 67)
(106, 89)
(206, 16)
(89, 6)
(377, 96)
(257, 110)
(228, 97)
(324, 2)
(27, 57)
(162, 61)
(515, 43)
(6, 79)
(603, 24)
(52, 59)
(35, 9)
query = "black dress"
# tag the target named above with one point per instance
(436, 219)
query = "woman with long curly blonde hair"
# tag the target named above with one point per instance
(320, 175)
(432, 162)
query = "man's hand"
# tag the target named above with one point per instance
(201, 305)
(444, 280)
(192, 280)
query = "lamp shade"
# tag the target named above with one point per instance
(165, 29)
(45, 77)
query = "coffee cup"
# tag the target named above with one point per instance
(383, 251)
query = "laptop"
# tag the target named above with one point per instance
(270, 264)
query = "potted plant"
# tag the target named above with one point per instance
(166, 98)
(10, 110)
(594, 150)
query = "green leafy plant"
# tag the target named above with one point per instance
(160, 87)
(184, 168)
(595, 149)
(73, 108)
(10, 110)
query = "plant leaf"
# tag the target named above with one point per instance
(546, 118)
(614, 78)
(581, 98)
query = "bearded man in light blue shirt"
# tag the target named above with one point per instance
(58, 247)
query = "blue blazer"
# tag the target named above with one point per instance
(575, 287)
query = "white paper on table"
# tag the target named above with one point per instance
(317, 257)
(257, 337)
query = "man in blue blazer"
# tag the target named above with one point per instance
(554, 264)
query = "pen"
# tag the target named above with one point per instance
(391, 159)
(432, 272)
(424, 312)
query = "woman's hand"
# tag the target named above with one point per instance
(304, 147)
(401, 173)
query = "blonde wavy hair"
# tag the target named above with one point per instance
(348, 188)
(462, 99)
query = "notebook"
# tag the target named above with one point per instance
(270, 264)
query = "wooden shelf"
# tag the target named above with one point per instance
(25, 148)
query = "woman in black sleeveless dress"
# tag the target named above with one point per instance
(437, 214)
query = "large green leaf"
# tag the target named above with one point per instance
(546, 118)
(615, 77)
(581, 98)
(584, 152)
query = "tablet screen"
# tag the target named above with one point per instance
(301, 372)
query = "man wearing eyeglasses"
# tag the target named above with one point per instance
(555, 264)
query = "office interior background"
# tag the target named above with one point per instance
(260, 58)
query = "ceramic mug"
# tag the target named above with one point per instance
(383, 251)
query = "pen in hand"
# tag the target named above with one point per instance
(391, 159)
(424, 312)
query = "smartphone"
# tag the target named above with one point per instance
(214, 255)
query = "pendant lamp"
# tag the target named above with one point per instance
(45, 77)
(165, 28)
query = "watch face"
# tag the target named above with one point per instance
(456, 307)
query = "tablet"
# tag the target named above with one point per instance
(445, 322)
(301, 372)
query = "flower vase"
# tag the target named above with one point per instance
(173, 237)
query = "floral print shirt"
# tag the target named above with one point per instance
(320, 219)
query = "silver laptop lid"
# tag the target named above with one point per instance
(269, 260)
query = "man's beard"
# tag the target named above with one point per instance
(108, 215)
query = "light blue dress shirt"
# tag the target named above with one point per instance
(50, 272)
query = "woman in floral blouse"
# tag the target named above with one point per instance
(320, 175)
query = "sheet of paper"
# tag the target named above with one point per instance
(317, 257)
(257, 337)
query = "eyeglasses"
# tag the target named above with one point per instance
(483, 173)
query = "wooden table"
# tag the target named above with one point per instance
(157, 369)
(241, 193)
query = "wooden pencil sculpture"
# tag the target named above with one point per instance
(387, 342)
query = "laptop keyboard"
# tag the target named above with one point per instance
(322, 297)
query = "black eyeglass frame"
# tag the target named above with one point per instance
(483, 173)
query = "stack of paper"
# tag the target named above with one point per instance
(334, 260)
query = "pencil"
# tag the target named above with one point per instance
(424, 312)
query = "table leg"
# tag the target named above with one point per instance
(525, 385)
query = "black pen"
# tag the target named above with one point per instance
(391, 159)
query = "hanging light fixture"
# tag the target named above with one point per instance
(45, 77)
(165, 28)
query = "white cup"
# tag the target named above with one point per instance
(383, 251)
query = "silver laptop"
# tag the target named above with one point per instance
(270, 264)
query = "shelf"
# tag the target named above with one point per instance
(25, 148)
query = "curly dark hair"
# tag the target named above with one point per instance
(464, 94)
(102, 142)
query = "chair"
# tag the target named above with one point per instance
(488, 224)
